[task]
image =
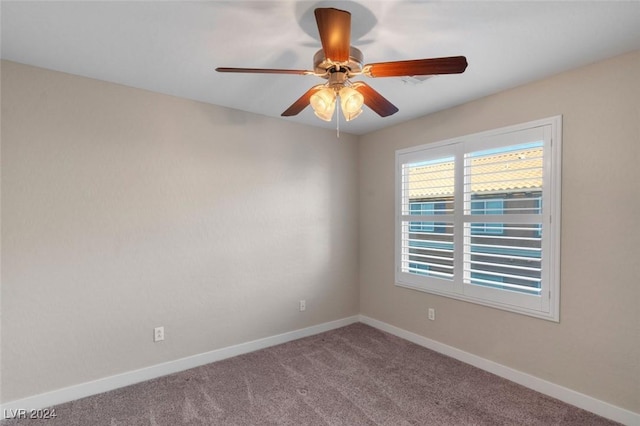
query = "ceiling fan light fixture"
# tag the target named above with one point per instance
(323, 103)
(351, 102)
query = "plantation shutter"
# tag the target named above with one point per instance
(503, 188)
(474, 218)
(427, 204)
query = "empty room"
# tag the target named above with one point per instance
(319, 213)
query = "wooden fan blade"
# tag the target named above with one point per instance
(297, 107)
(374, 100)
(334, 26)
(264, 71)
(450, 65)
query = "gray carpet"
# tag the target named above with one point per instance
(355, 375)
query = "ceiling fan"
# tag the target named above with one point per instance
(338, 62)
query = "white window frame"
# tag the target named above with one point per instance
(547, 304)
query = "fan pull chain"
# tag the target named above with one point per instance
(337, 118)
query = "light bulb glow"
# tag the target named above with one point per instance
(323, 103)
(351, 102)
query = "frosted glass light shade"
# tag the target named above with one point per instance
(351, 102)
(323, 103)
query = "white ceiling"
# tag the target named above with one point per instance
(174, 47)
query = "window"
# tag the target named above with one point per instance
(538, 207)
(487, 207)
(421, 209)
(432, 249)
(477, 218)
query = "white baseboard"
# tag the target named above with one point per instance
(82, 390)
(553, 390)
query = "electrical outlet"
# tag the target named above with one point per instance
(158, 334)
(432, 314)
(303, 305)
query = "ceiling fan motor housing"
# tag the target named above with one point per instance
(322, 65)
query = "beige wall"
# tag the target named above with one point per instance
(123, 210)
(595, 349)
